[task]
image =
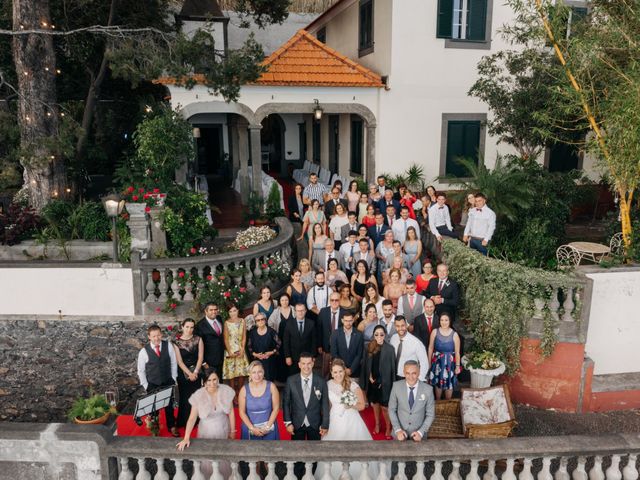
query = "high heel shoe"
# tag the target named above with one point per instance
(376, 429)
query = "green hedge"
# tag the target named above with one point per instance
(498, 300)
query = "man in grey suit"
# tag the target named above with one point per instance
(411, 405)
(321, 259)
(410, 305)
(363, 253)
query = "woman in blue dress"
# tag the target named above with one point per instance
(265, 303)
(413, 248)
(259, 403)
(296, 289)
(444, 352)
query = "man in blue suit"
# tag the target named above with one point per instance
(388, 200)
(347, 344)
(376, 232)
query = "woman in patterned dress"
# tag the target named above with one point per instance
(444, 352)
(235, 364)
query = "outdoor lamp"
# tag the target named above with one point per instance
(317, 110)
(196, 132)
(113, 205)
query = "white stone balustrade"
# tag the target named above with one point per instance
(613, 457)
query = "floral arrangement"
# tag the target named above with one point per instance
(197, 251)
(253, 236)
(220, 290)
(348, 399)
(141, 195)
(485, 360)
(278, 268)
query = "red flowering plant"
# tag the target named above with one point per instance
(169, 306)
(172, 330)
(219, 288)
(141, 195)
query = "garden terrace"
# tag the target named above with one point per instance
(156, 281)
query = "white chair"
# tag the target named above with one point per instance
(334, 177)
(324, 176)
(298, 173)
(315, 168)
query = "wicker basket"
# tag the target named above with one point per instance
(494, 430)
(448, 422)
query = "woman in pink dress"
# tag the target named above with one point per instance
(353, 196)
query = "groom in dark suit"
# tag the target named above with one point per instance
(299, 336)
(306, 406)
(210, 329)
(347, 344)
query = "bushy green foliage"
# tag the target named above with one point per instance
(69, 221)
(273, 207)
(498, 300)
(185, 221)
(632, 253)
(89, 408)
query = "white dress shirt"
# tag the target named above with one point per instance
(412, 349)
(417, 300)
(399, 228)
(319, 296)
(438, 217)
(345, 254)
(481, 223)
(143, 358)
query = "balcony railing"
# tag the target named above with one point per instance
(612, 457)
(157, 279)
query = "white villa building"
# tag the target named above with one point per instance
(390, 77)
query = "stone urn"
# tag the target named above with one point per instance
(136, 209)
(96, 421)
(480, 377)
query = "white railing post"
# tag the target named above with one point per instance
(630, 472)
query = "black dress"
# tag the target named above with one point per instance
(374, 390)
(267, 342)
(189, 353)
(382, 368)
(282, 371)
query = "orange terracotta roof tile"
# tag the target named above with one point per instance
(305, 61)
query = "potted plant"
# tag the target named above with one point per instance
(94, 410)
(483, 366)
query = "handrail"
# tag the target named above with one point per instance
(284, 237)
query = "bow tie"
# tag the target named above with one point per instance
(478, 209)
(320, 288)
(440, 208)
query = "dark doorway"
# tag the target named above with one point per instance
(210, 150)
(564, 157)
(272, 143)
(334, 143)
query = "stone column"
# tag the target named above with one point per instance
(324, 141)
(243, 155)
(370, 153)
(158, 235)
(344, 138)
(234, 140)
(139, 228)
(256, 165)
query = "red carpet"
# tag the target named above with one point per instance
(126, 427)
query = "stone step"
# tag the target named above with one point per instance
(616, 382)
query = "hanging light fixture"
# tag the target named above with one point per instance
(196, 132)
(317, 110)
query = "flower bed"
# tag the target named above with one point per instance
(252, 237)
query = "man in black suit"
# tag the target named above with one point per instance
(376, 232)
(424, 323)
(329, 320)
(390, 216)
(299, 336)
(330, 206)
(444, 292)
(347, 344)
(387, 201)
(210, 330)
(305, 406)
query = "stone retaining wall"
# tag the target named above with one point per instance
(46, 362)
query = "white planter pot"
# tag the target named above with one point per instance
(481, 378)
(136, 209)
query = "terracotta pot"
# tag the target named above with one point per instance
(95, 421)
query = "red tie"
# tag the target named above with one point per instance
(216, 328)
(158, 350)
(411, 301)
(429, 321)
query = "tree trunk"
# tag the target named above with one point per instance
(92, 95)
(626, 200)
(35, 63)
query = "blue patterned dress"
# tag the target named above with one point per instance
(443, 363)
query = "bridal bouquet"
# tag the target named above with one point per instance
(348, 399)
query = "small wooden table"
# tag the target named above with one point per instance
(575, 252)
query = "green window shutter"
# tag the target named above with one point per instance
(463, 141)
(477, 20)
(445, 19)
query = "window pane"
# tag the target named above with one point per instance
(458, 19)
(463, 141)
(477, 20)
(366, 25)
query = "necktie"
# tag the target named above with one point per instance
(390, 221)
(399, 352)
(158, 350)
(301, 327)
(440, 284)
(333, 320)
(412, 301)
(379, 228)
(429, 323)
(216, 327)
(411, 397)
(306, 392)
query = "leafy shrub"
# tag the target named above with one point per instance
(272, 206)
(89, 408)
(92, 221)
(19, 223)
(69, 221)
(612, 225)
(185, 221)
(221, 290)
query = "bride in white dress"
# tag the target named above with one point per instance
(345, 422)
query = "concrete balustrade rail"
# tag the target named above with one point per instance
(47, 451)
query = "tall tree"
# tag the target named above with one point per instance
(38, 114)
